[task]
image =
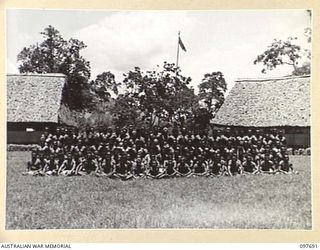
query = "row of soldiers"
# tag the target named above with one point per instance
(128, 153)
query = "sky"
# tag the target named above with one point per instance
(225, 41)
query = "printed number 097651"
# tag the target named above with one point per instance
(310, 246)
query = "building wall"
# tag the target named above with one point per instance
(297, 137)
(23, 137)
(26, 132)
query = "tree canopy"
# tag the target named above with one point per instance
(57, 55)
(287, 53)
(212, 90)
(280, 53)
(105, 85)
(161, 95)
(142, 98)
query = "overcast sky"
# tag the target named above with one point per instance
(226, 41)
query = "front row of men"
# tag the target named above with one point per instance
(122, 167)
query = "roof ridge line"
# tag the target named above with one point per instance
(270, 78)
(39, 75)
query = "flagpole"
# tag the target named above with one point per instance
(177, 63)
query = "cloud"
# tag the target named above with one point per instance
(226, 41)
(16, 41)
(127, 39)
(216, 41)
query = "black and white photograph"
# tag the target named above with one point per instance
(158, 119)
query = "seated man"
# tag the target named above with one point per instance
(33, 166)
(285, 166)
(183, 168)
(249, 166)
(145, 157)
(267, 153)
(68, 167)
(200, 167)
(138, 167)
(79, 160)
(215, 166)
(276, 161)
(106, 166)
(122, 167)
(266, 165)
(153, 170)
(52, 165)
(170, 166)
(41, 164)
(234, 166)
(87, 166)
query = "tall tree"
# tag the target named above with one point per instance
(182, 105)
(287, 53)
(160, 94)
(305, 69)
(212, 90)
(105, 85)
(280, 53)
(126, 111)
(57, 55)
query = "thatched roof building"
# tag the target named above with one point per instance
(282, 103)
(273, 102)
(34, 98)
(33, 103)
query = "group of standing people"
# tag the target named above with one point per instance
(127, 153)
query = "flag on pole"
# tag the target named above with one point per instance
(182, 45)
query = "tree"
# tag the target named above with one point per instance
(126, 111)
(182, 106)
(212, 90)
(305, 69)
(308, 34)
(56, 55)
(280, 53)
(287, 53)
(160, 95)
(46, 57)
(105, 85)
(202, 118)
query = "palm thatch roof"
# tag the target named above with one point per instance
(269, 102)
(34, 97)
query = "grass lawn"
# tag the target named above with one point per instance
(255, 202)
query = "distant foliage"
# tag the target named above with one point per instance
(57, 55)
(158, 96)
(287, 53)
(126, 111)
(212, 90)
(305, 69)
(308, 34)
(98, 117)
(104, 85)
(280, 53)
(161, 96)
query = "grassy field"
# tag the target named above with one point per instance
(255, 202)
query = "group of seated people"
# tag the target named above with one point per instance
(128, 153)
